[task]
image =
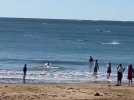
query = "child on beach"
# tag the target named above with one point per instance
(96, 68)
(130, 74)
(108, 70)
(120, 71)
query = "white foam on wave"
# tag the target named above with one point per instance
(55, 77)
(9, 76)
(110, 43)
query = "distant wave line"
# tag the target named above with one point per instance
(45, 61)
(64, 62)
(110, 43)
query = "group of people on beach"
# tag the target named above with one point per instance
(92, 62)
(120, 71)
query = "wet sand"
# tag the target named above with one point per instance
(65, 92)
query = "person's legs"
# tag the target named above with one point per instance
(128, 82)
(118, 78)
(120, 82)
(24, 76)
(121, 78)
(90, 67)
(108, 75)
(24, 79)
(131, 82)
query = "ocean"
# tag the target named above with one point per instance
(67, 45)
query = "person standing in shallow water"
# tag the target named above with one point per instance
(91, 63)
(109, 70)
(24, 73)
(130, 74)
(96, 67)
(120, 71)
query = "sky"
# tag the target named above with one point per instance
(69, 9)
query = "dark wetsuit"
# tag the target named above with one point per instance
(24, 71)
(96, 68)
(109, 69)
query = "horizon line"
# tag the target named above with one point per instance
(69, 19)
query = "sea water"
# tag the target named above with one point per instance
(67, 45)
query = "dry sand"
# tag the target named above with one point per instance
(65, 92)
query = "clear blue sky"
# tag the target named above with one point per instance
(69, 9)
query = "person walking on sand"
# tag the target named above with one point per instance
(96, 67)
(130, 74)
(91, 63)
(109, 70)
(24, 73)
(120, 71)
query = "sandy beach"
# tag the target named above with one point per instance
(65, 92)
